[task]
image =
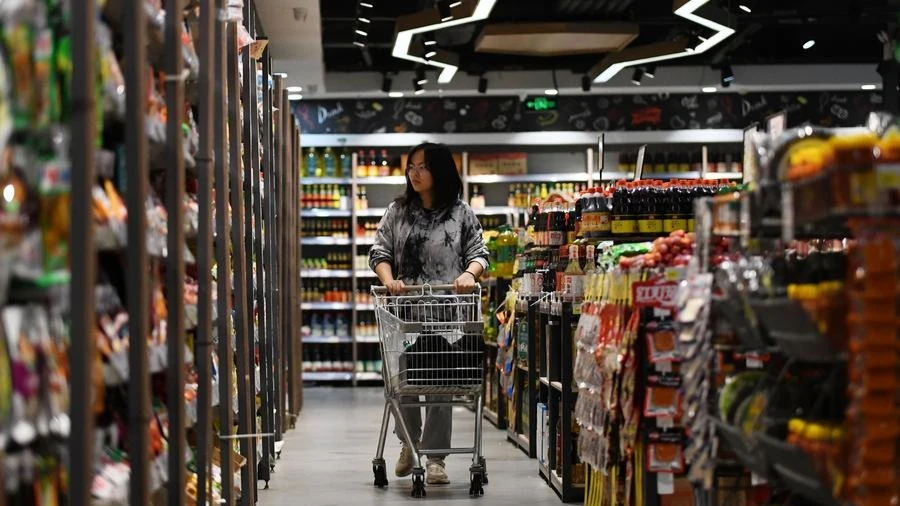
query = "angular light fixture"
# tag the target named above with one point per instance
(428, 39)
(444, 10)
(367, 5)
(702, 12)
(468, 11)
(809, 44)
(745, 8)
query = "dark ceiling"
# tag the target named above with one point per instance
(773, 33)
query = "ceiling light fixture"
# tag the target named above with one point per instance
(429, 54)
(359, 40)
(454, 5)
(714, 18)
(386, 83)
(420, 76)
(482, 84)
(868, 87)
(361, 32)
(551, 91)
(364, 20)
(428, 39)
(745, 8)
(419, 89)
(444, 9)
(428, 21)
(709, 89)
(294, 89)
(650, 71)
(295, 96)
(395, 94)
(585, 83)
(637, 76)
(727, 74)
(367, 5)
(809, 44)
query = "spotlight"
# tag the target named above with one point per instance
(294, 89)
(420, 76)
(419, 89)
(551, 91)
(637, 76)
(428, 39)
(361, 32)
(386, 83)
(430, 53)
(444, 10)
(868, 87)
(396, 94)
(745, 8)
(359, 40)
(363, 19)
(482, 85)
(727, 75)
(650, 71)
(367, 5)
(809, 44)
(454, 5)
(709, 89)
(585, 83)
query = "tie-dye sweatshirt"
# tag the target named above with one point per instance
(425, 246)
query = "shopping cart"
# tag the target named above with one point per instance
(432, 345)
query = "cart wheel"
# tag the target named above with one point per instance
(418, 488)
(483, 464)
(476, 488)
(378, 469)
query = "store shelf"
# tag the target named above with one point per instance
(365, 241)
(556, 385)
(325, 180)
(544, 380)
(374, 211)
(327, 376)
(324, 213)
(369, 376)
(491, 416)
(326, 273)
(585, 139)
(366, 274)
(572, 177)
(325, 241)
(325, 306)
(493, 210)
(616, 175)
(385, 180)
(327, 339)
(365, 307)
(367, 339)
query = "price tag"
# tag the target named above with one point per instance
(665, 483)
(887, 176)
(665, 422)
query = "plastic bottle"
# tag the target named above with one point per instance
(312, 162)
(345, 167)
(362, 169)
(329, 163)
(384, 167)
(506, 245)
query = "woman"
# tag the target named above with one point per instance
(429, 235)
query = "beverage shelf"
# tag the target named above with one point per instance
(365, 307)
(365, 241)
(327, 339)
(326, 273)
(368, 376)
(325, 241)
(372, 211)
(326, 180)
(324, 213)
(367, 339)
(326, 306)
(616, 175)
(572, 177)
(492, 210)
(328, 376)
(381, 180)
(365, 273)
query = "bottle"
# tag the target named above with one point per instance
(362, 169)
(506, 245)
(511, 198)
(372, 164)
(329, 163)
(477, 199)
(312, 162)
(335, 197)
(345, 165)
(384, 167)
(544, 192)
(574, 284)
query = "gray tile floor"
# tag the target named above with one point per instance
(327, 459)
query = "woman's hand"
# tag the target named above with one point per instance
(465, 283)
(395, 286)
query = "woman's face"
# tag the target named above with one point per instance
(418, 173)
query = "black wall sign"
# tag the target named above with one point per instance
(592, 113)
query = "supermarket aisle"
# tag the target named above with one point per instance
(327, 459)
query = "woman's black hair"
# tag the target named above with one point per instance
(447, 184)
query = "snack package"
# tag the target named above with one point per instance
(662, 396)
(665, 452)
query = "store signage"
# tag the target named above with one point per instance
(661, 294)
(540, 104)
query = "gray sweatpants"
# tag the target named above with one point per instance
(438, 424)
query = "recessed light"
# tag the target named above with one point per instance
(868, 87)
(808, 44)
(395, 94)
(360, 32)
(294, 89)
(367, 5)
(295, 96)
(364, 20)
(419, 91)
(709, 89)
(745, 8)
(551, 91)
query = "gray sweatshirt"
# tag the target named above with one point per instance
(425, 246)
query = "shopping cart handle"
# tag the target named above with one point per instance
(421, 288)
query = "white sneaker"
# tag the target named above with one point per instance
(404, 463)
(436, 472)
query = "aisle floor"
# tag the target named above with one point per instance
(327, 459)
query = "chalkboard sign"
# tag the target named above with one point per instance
(590, 113)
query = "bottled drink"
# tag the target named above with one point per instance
(574, 280)
(329, 163)
(372, 164)
(345, 165)
(477, 199)
(506, 246)
(384, 167)
(362, 168)
(511, 198)
(312, 163)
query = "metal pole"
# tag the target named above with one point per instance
(203, 343)
(241, 313)
(281, 259)
(223, 262)
(175, 253)
(268, 261)
(83, 260)
(137, 275)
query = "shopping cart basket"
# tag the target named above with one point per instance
(432, 344)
